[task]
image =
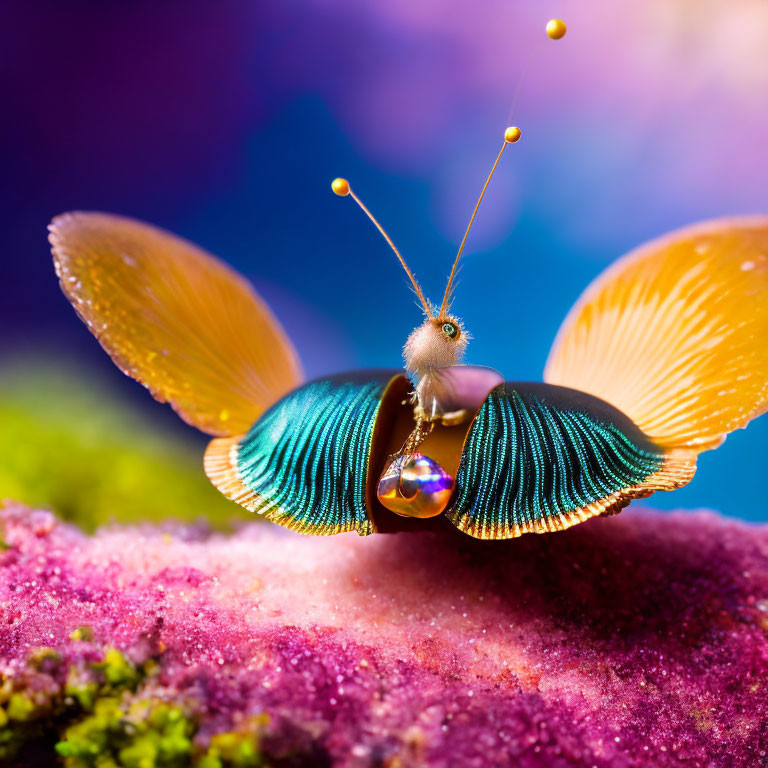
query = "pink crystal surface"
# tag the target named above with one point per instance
(640, 640)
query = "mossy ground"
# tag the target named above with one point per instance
(111, 713)
(68, 444)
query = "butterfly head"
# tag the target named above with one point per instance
(438, 342)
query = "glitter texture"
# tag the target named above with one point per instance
(633, 641)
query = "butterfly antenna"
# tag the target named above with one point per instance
(556, 30)
(341, 187)
(511, 135)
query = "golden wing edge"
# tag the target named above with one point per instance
(210, 421)
(574, 353)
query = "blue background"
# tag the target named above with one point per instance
(225, 122)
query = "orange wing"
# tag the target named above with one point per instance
(175, 318)
(675, 334)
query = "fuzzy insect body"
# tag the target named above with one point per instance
(660, 359)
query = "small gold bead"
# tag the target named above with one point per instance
(556, 29)
(512, 134)
(340, 187)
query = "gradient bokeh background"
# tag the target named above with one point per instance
(225, 122)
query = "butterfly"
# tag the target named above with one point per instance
(662, 357)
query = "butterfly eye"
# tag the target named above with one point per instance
(450, 330)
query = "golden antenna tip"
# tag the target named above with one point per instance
(556, 29)
(340, 187)
(512, 134)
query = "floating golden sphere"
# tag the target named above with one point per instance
(512, 134)
(556, 29)
(340, 187)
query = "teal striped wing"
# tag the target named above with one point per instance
(541, 458)
(304, 463)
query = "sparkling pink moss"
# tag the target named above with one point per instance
(640, 640)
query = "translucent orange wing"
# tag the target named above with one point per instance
(675, 334)
(175, 318)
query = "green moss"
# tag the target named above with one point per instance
(82, 634)
(84, 692)
(20, 707)
(89, 738)
(130, 732)
(236, 749)
(106, 724)
(112, 714)
(138, 734)
(69, 444)
(118, 672)
(25, 715)
(42, 658)
(20, 722)
(102, 721)
(111, 676)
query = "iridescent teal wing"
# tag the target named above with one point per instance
(305, 463)
(541, 458)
